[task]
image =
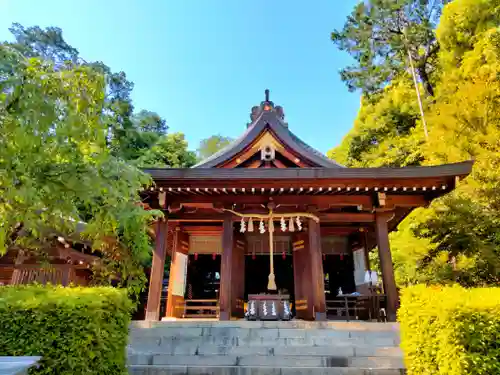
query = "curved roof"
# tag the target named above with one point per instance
(299, 174)
(269, 119)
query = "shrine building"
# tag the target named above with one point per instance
(268, 215)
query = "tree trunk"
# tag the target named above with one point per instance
(424, 77)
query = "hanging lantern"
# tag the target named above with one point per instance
(195, 256)
(243, 226)
(250, 225)
(299, 223)
(214, 255)
(291, 227)
(262, 228)
(283, 255)
(283, 224)
(341, 256)
(253, 256)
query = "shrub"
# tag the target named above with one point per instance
(75, 330)
(450, 330)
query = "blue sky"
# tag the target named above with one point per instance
(202, 64)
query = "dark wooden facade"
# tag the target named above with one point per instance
(57, 265)
(269, 164)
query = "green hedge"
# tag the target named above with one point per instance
(450, 330)
(75, 330)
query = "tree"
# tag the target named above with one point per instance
(77, 163)
(457, 238)
(129, 135)
(379, 35)
(168, 151)
(211, 145)
(386, 131)
(56, 168)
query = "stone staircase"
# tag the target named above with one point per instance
(264, 348)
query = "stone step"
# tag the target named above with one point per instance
(292, 324)
(338, 349)
(139, 342)
(271, 333)
(255, 370)
(278, 361)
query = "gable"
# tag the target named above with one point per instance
(268, 129)
(266, 151)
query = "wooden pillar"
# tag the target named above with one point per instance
(225, 297)
(384, 252)
(318, 277)
(177, 276)
(238, 273)
(304, 300)
(364, 243)
(157, 271)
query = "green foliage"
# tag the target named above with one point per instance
(129, 135)
(57, 170)
(75, 330)
(211, 145)
(452, 331)
(386, 131)
(379, 35)
(168, 151)
(457, 239)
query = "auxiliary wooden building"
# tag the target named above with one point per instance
(323, 218)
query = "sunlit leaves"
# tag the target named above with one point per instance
(56, 168)
(458, 237)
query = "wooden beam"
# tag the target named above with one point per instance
(344, 217)
(406, 201)
(338, 230)
(157, 271)
(279, 164)
(319, 200)
(205, 230)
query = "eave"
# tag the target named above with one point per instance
(213, 177)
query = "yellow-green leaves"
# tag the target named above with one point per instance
(458, 238)
(450, 331)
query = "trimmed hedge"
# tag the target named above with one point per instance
(75, 330)
(450, 330)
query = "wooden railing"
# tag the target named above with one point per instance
(199, 308)
(55, 274)
(363, 307)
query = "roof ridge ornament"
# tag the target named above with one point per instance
(267, 105)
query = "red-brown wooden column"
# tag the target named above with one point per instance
(318, 277)
(384, 252)
(157, 271)
(225, 299)
(238, 273)
(304, 300)
(175, 298)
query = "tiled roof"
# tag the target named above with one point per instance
(271, 120)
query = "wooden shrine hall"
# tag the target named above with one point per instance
(270, 216)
